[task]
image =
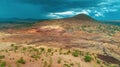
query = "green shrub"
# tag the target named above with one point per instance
(36, 50)
(75, 53)
(78, 64)
(24, 48)
(35, 57)
(2, 56)
(66, 65)
(88, 58)
(45, 64)
(50, 64)
(59, 60)
(68, 52)
(98, 61)
(2, 64)
(49, 50)
(6, 51)
(111, 65)
(71, 64)
(16, 47)
(9, 66)
(17, 65)
(42, 49)
(21, 60)
(12, 45)
(60, 51)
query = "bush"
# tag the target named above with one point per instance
(24, 48)
(12, 45)
(71, 64)
(112, 66)
(15, 48)
(35, 57)
(9, 66)
(49, 50)
(21, 60)
(76, 53)
(78, 64)
(2, 56)
(42, 49)
(88, 58)
(35, 49)
(59, 60)
(98, 61)
(2, 64)
(60, 51)
(68, 52)
(50, 62)
(45, 64)
(66, 65)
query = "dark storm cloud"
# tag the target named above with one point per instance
(61, 2)
(99, 9)
(62, 5)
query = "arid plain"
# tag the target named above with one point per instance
(78, 41)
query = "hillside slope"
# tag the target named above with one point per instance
(79, 41)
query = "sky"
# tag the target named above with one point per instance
(54, 9)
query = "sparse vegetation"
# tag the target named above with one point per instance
(59, 60)
(42, 49)
(12, 45)
(2, 56)
(66, 65)
(63, 44)
(112, 65)
(45, 64)
(24, 48)
(68, 52)
(71, 64)
(35, 56)
(2, 64)
(88, 58)
(60, 51)
(50, 62)
(76, 53)
(21, 60)
(98, 61)
(9, 66)
(49, 50)
(78, 64)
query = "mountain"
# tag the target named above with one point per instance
(78, 41)
(112, 22)
(17, 20)
(72, 21)
(82, 17)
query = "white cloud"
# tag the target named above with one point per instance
(99, 14)
(107, 6)
(84, 12)
(64, 13)
(104, 7)
(67, 13)
(51, 15)
(108, 2)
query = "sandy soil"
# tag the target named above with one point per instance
(97, 40)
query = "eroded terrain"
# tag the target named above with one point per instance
(61, 43)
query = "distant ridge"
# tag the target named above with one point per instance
(82, 17)
(18, 20)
